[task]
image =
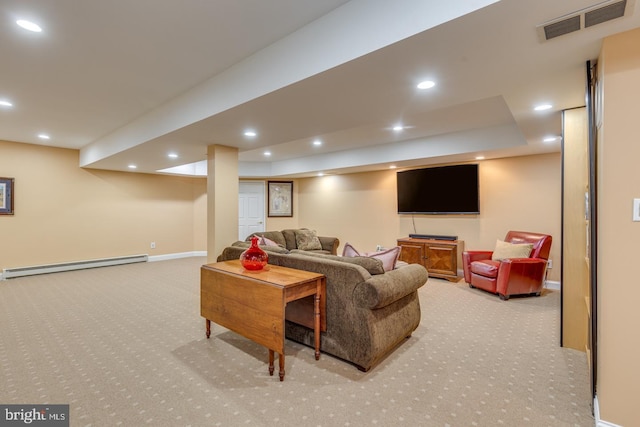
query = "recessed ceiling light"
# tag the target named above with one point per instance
(250, 133)
(133, 167)
(543, 107)
(172, 155)
(317, 143)
(320, 173)
(28, 25)
(5, 103)
(392, 167)
(44, 136)
(427, 84)
(267, 153)
(479, 157)
(550, 139)
(398, 128)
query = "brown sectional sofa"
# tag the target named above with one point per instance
(287, 239)
(369, 312)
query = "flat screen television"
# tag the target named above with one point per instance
(439, 190)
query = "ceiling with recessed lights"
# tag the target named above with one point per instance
(327, 86)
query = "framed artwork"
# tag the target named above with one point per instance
(6, 196)
(280, 198)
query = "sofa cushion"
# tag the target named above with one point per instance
(373, 266)
(487, 268)
(506, 250)
(289, 236)
(307, 240)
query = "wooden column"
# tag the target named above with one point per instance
(575, 266)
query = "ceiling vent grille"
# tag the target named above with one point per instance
(585, 18)
(604, 14)
(561, 28)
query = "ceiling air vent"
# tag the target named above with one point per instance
(561, 28)
(584, 18)
(604, 14)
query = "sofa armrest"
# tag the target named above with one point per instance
(470, 256)
(329, 244)
(383, 289)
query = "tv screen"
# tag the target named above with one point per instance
(439, 190)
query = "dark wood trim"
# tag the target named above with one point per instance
(593, 218)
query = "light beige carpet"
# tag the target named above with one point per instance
(125, 346)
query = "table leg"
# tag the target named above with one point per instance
(208, 327)
(316, 323)
(281, 363)
(271, 362)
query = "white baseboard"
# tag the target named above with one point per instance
(177, 256)
(8, 273)
(32, 270)
(596, 413)
(550, 284)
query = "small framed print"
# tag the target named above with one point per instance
(280, 198)
(6, 196)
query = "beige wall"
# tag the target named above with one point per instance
(64, 213)
(521, 193)
(618, 237)
(282, 223)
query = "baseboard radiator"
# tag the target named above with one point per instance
(8, 273)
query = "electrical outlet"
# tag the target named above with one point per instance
(636, 210)
(153, 245)
(549, 263)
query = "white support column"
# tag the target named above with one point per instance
(222, 199)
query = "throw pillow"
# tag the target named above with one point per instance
(505, 250)
(307, 240)
(389, 257)
(267, 242)
(349, 250)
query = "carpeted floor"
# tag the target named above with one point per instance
(125, 346)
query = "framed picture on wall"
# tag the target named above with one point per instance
(280, 198)
(6, 196)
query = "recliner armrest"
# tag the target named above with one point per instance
(476, 255)
(521, 275)
(470, 256)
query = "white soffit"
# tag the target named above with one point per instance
(354, 29)
(491, 138)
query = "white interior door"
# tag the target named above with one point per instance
(251, 208)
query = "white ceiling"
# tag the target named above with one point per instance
(126, 81)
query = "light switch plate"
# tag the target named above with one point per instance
(636, 209)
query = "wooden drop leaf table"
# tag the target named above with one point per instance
(255, 304)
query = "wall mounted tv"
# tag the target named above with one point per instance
(443, 190)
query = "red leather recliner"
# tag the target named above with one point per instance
(513, 276)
